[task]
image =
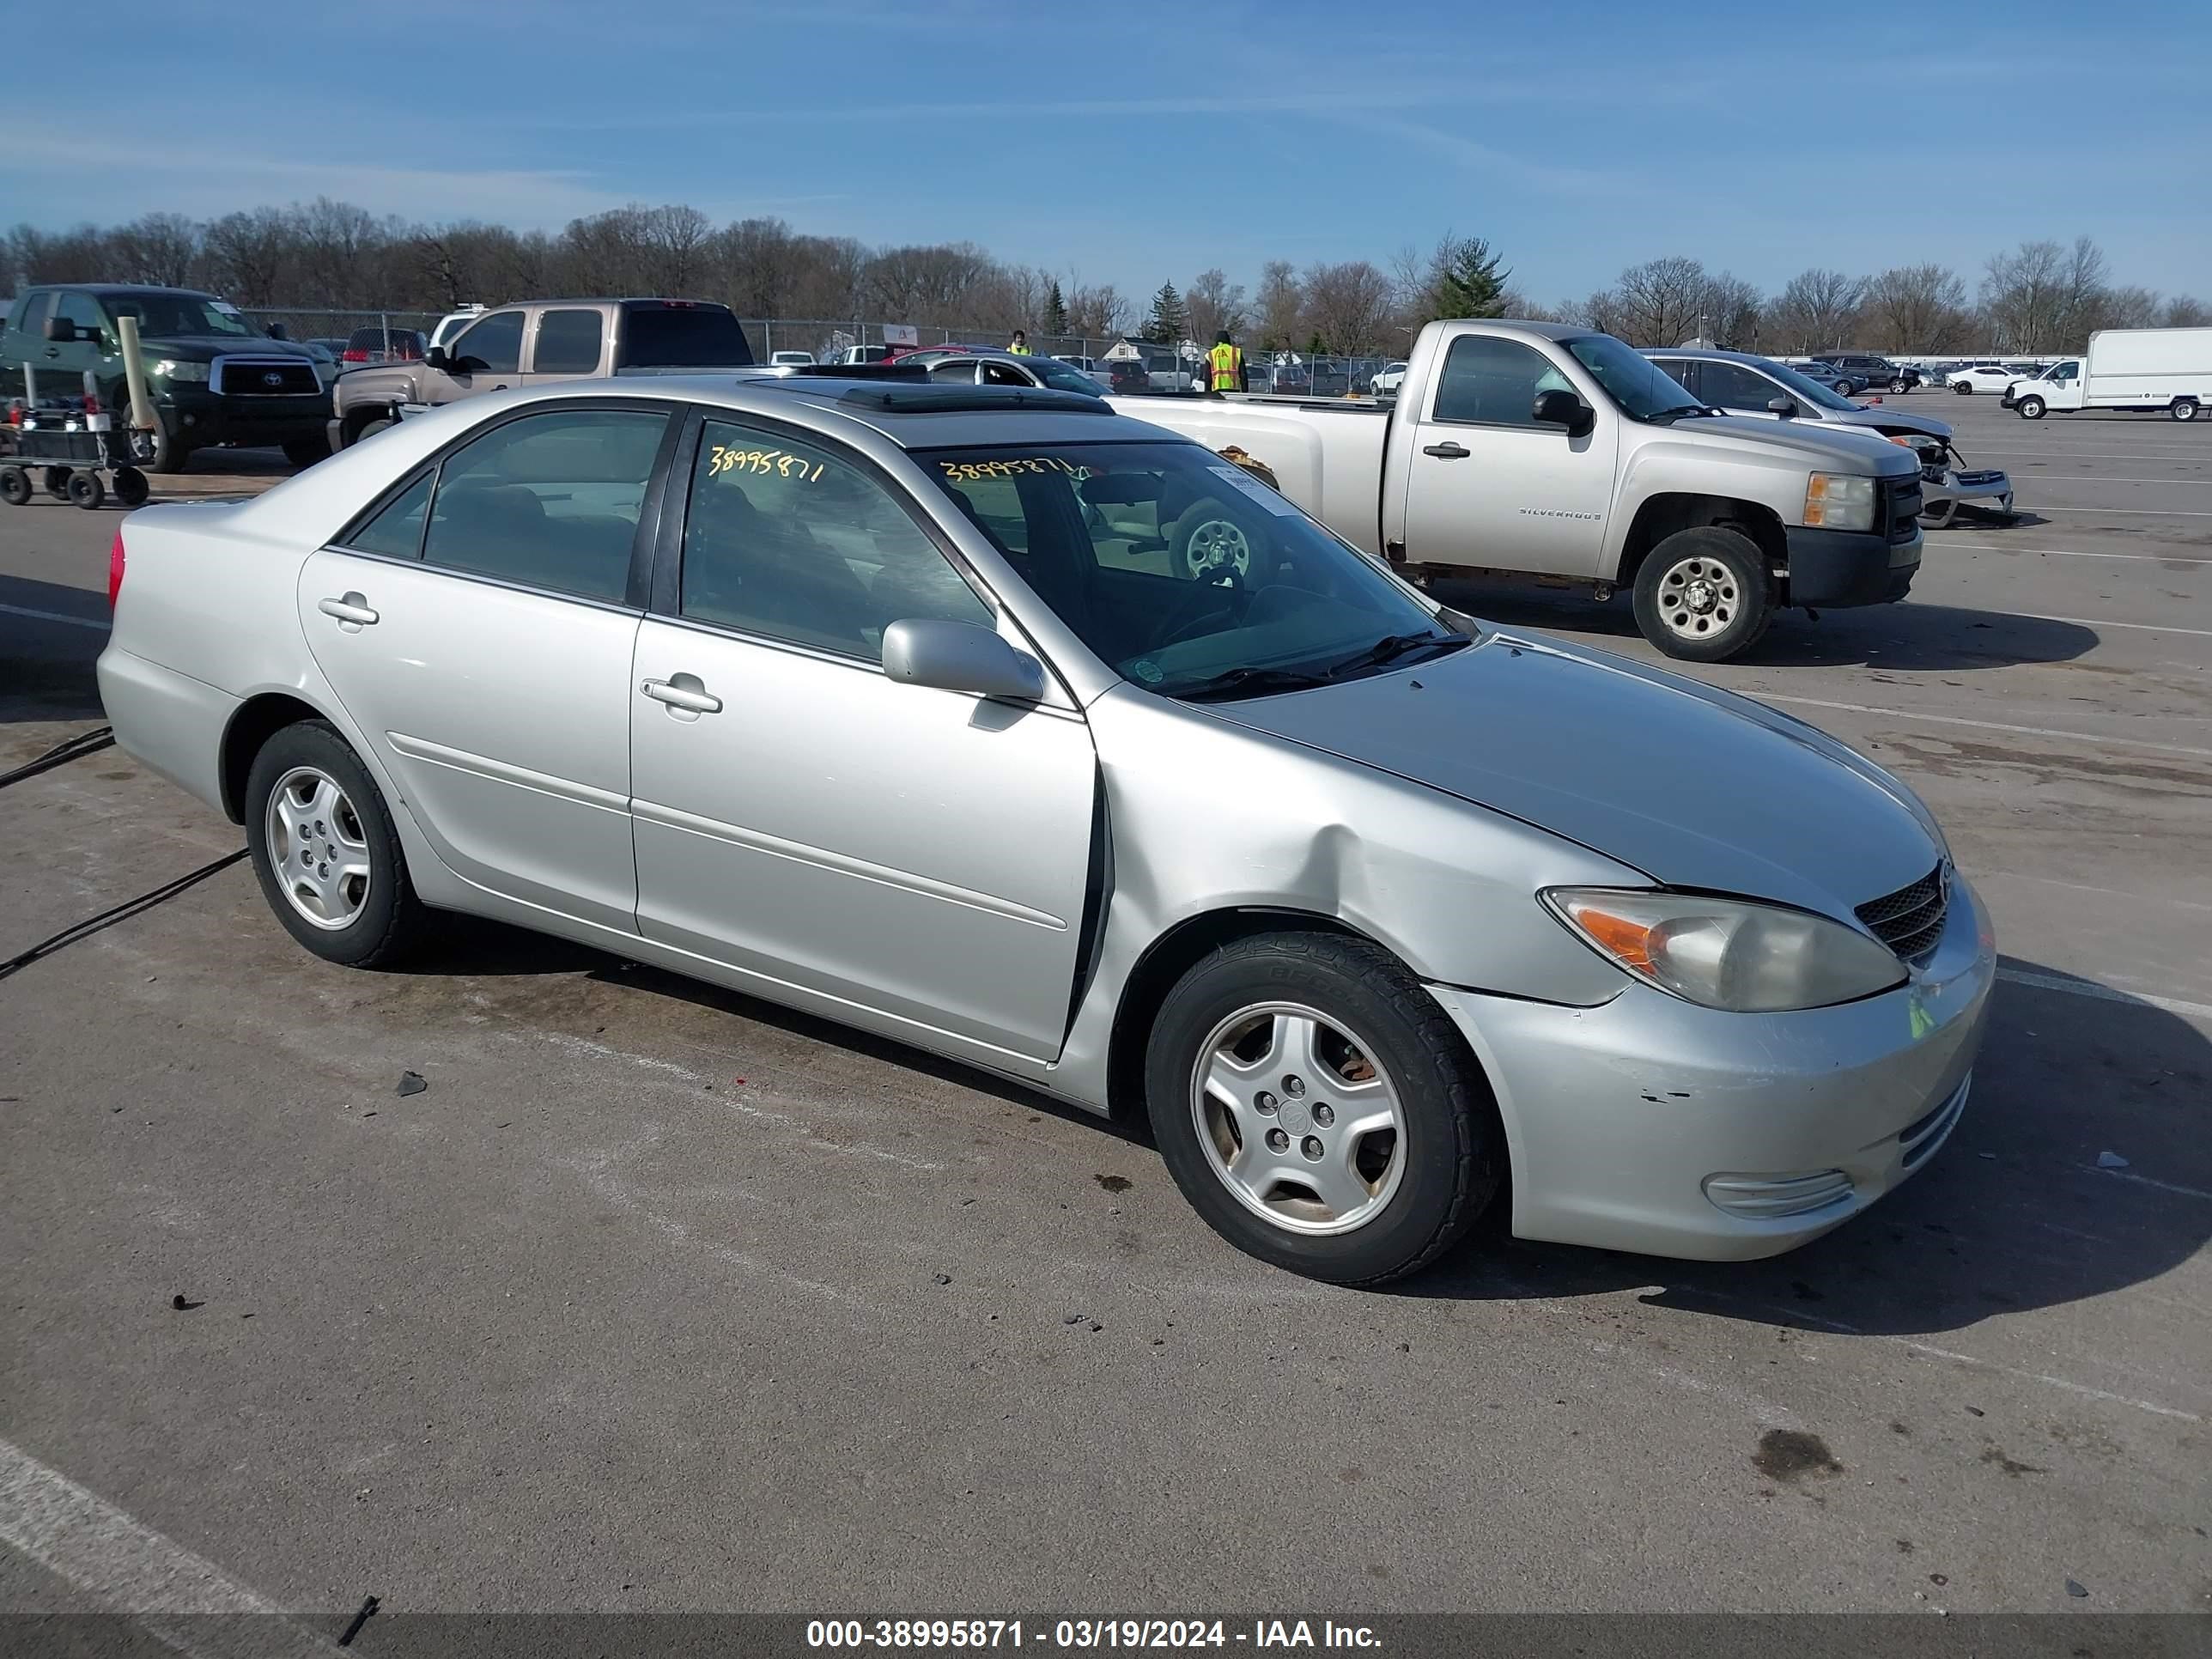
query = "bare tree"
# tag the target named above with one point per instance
(1728, 310)
(1659, 302)
(676, 242)
(1815, 311)
(919, 284)
(1917, 309)
(2124, 307)
(1281, 305)
(1213, 303)
(1348, 305)
(1096, 312)
(2184, 311)
(252, 255)
(160, 248)
(2043, 297)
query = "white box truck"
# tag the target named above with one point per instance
(2138, 368)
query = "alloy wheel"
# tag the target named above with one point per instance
(318, 848)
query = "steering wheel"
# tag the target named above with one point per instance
(1196, 609)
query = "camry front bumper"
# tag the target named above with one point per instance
(1651, 1124)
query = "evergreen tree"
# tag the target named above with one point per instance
(1055, 310)
(1464, 280)
(1169, 322)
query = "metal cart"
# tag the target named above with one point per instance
(77, 446)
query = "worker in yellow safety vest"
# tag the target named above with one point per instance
(1019, 346)
(1226, 365)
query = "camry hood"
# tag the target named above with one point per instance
(1697, 787)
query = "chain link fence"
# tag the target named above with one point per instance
(1146, 366)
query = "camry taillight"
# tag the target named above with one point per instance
(115, 570)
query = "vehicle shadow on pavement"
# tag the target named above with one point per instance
(46, 663)
(1907, 636)
(2024, 1207)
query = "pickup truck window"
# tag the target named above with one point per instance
(682, 336)
(568, 343)
(491, 346)
(1188, 575)
(169, 316)
(1491, 381)
(1644, 391)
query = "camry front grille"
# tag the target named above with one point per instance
(1910, 920)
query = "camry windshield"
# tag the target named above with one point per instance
(1188, 575)
(1639, 385)
(177, 316)
(1805, 386)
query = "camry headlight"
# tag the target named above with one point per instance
(1837, 501)
(168, 368)
(1734, 954)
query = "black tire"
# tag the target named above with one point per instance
(157, 448)
(130, 486)
(1724, 620)
(15, 486)
(1453, 1153)
(1846, 387)
(304, 453)
(393, 921)
(2030, 408)
(2183, 408)
(57, 482)
(1900, 386)
(1216, 529)
(1963, 388)
(87, 491)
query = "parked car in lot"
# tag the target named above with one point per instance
(2143, 369)
(1387, 380)
(367, 346)
(1589, 465)
(536, 342)
(1858, 372)
(453, 322)
(1982, 377)
(969, 367)
(1745, 384)
(1292, 379)
(1819, 372)
(796, 358)
(885, 701)
(215, 378)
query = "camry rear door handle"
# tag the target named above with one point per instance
(1447, 451)
(353, 609)
(684, 691)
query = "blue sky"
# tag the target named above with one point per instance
(1140, 140)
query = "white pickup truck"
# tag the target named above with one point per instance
(1548, 450)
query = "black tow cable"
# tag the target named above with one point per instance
(123, 912)
(69, 749)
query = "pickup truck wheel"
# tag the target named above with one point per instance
(2183, 408)
(1900, 385)
(1319, 1110)
(370, 429)
(1703, 595)
(2031, 409)
(1207, 540)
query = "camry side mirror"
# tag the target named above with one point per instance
(1558, 408)
(957, 656)
(1785, 407)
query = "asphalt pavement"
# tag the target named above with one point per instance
(660, 1299)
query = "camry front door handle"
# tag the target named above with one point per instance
(351, 611)
(684, 691)
(1448, 450)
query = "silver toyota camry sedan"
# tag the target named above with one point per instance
(886, 702)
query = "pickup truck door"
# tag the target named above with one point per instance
(485, 356)
(1487, 485)
(2063, 389)
(566, 342)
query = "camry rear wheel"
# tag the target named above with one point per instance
(325, 852)
(1319, 1110)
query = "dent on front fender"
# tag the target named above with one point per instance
(1207, 817)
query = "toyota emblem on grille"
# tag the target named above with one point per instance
(272, 379)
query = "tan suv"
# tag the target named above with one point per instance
(538, 341)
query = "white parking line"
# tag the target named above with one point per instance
(2127, 511)
(2084, 987)
(80, 1537)
(2104, 477)
(54, 616)
(2093, 622)
(2067, 552)
(2092, 738)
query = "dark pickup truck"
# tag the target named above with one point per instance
(213, 376)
